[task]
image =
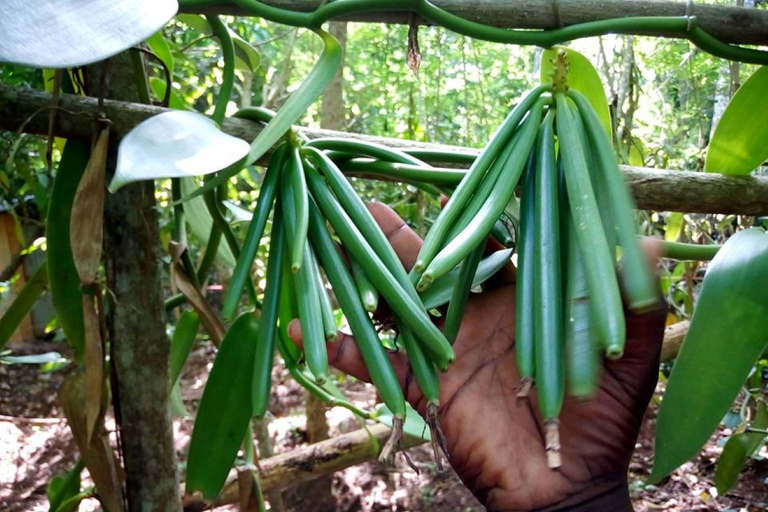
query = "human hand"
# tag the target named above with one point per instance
(495, 439)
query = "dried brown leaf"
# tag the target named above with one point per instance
(87, 222)
(97, 454)
(94, 366)
(246, 488)
(211, 321)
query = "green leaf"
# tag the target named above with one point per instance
(224, 411)
(583, 77)
(158, 88)
(728, 333)
(200, 221)
(414, 425)
(247, 58)
(62, 274)
(297, 104)
(63, 487)
(159, 47)
(69, 33)
(239, 214)
(736, 451)
(181, 343)
(175, 144)
(674, 226)
(22, 304)
(740, 142)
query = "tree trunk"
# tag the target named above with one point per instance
(136, 329)
(332, 114)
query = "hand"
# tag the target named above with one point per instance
(494, 438)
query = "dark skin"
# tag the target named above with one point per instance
(494, 438)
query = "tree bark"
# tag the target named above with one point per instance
(136, 328)
(654, 189)
(728, 23)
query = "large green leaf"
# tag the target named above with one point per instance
(69, 33)
(175, 144)
(738, 448)
(200, 221)
(728, 333)
(583, 77)
(62, 273)
(225, 409)
(740, 142)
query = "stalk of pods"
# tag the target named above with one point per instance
(574, 213)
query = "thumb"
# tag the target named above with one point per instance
(403, 239)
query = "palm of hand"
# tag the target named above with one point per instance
(494, 438)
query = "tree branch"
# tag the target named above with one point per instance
(730, 24)
(653, 189)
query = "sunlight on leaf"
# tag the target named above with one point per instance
(740, 142)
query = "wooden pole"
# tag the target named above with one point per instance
(136, 325)
(654, 189)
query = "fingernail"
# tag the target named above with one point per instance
(294, 330)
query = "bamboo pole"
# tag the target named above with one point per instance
(728, 23)
(653, 189)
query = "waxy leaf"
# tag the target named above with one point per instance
(583, 77)
(225, 410)
(740, 142)
(200, 221)
(62, 273)
(181, 343)
(738, 448)
(728, 333)
(69, 33)
(175, 144)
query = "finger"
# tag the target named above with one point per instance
(403, 239)
(344, 355)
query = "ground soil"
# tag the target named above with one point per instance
(35, 444)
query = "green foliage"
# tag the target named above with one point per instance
(713, 362)
(738, 145)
